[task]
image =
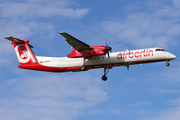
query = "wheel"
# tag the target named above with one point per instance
(104, 78)
(83, 68)
(167, 64)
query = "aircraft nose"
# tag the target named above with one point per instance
(172, 57)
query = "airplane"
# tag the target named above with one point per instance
(85, 57)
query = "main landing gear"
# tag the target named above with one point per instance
(106, 70)
(83, 68)
(167, 63)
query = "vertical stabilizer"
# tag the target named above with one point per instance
(23, 51)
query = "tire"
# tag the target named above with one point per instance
(104, 78)
(167, 64)
(83, 68)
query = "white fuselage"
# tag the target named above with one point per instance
(122, 58)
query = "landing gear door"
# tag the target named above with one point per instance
(60, 64)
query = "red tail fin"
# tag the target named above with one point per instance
(23, 51)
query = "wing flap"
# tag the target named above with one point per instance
(75, 43)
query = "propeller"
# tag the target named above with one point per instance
(107, 49)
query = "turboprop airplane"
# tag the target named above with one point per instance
(85, 57)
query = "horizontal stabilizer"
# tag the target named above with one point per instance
(16, 40)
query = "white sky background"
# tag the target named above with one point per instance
(147, 92)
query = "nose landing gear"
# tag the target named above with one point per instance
(167, 63)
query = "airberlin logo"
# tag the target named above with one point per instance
(22, 53)
(136, 54)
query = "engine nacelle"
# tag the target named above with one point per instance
(95, 50)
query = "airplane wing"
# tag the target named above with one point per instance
(16, 40)
(75, 43)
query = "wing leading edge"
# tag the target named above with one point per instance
(75, 43)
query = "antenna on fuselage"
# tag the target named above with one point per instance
(127, 67)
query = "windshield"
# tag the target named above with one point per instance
(160, 50)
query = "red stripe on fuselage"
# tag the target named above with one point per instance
(39, 67)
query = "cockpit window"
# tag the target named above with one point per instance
(160, 50)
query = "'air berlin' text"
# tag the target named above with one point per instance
(129, 54)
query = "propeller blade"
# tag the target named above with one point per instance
(107, 49)
(108, 55)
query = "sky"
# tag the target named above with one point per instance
(145, 92)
